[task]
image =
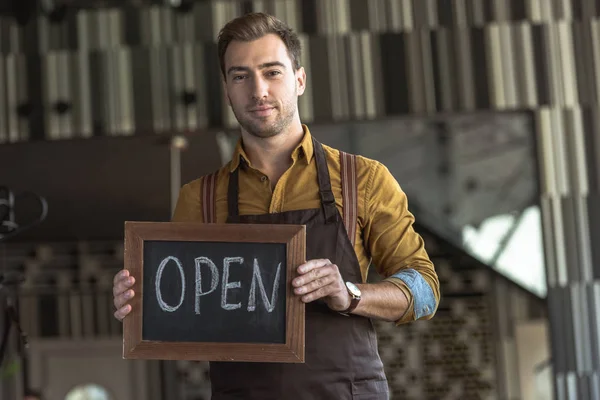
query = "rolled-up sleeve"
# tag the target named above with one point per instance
(397, 251)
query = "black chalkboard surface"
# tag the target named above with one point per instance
(215, 292)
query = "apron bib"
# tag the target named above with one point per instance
(341, 357)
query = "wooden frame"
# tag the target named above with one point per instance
(293, 236)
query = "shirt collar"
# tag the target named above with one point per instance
(305, 150)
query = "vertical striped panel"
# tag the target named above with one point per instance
(125, 94)
(160, 87)
(480, 68)
(321, 80)
(476, 12)
(444, 70)
(394, 67)
(576, 152)
(494, 62)
(142, 86)
(560, 158)
(407, 15)
(460, 15)
(288, 10)
(415, 72)
(508, 66)
(357, 96)
(4, 108)
(426, 57)
(222, 12)
(82, 96)
(15, 95)
(342, 16)
(110, 78)
(306, 101)
(394, 15)
(195, 81)
(64, 74)
(464, 68)
(555, 66)
(567, 59)
(51, 95)
(595, 45)
(372, 63)
(178, 87)
(546, 10)
(419, 14)
(379, 16)
(595, 321)
(524, 68)
(339, 74)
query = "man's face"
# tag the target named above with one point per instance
(262, 86)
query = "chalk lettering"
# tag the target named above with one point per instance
(256, 276)
(164, 306)
(214, 276)
(229, 285)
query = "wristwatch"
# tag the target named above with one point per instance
(355, 294)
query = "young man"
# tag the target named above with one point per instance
(354, 211)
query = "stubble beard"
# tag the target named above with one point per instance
(257, 127)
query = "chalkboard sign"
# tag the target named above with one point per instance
(214, 292)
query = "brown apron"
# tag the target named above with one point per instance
(341, 357)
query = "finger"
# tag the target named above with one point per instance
(122, 312)
(122, 285)
(316, 284)
(124, 273)
(316, 273)
(319, 293)
(312, 264)
(122, 299)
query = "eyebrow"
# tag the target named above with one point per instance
(261, 66)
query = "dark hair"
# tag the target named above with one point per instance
(253, 26)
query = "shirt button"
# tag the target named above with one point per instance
(263, 178)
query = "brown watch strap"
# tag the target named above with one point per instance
(353, 304)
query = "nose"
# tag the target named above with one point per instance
(260, 90)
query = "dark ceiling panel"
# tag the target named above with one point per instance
(92, 186)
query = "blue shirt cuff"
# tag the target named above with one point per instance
(423, 298)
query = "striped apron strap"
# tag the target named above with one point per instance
(208, 198)
(349, 193)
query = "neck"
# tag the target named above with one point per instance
(273, 155)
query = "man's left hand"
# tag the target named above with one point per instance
(321, 279)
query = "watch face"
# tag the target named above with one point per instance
(353, 289)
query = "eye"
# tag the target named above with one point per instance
(274, 73)
(238, 78)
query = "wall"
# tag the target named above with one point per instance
(466, 351)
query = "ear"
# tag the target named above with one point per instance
(300, 80)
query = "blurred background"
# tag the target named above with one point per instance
(486, 112)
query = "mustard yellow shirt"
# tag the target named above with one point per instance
(385, 237)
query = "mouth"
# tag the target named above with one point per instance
(262, 111)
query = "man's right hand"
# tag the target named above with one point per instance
(122, 294)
